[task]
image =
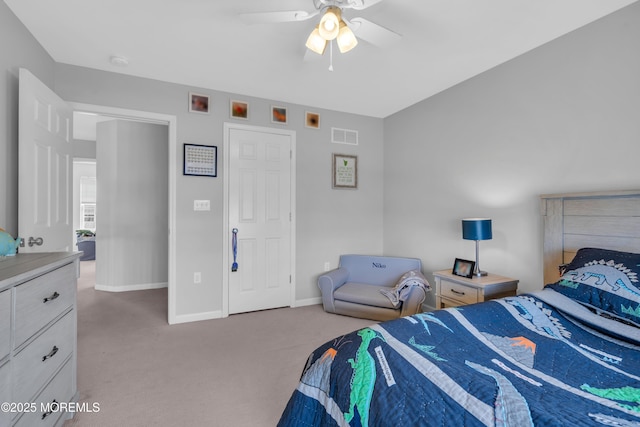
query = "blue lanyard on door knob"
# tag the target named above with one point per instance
(234, 246)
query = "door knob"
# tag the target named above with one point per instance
(37, 241)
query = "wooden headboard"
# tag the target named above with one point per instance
(608, 220)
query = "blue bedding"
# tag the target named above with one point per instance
(538, 359)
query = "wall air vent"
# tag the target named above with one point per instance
(344, 136)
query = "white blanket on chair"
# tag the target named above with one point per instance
(402, 289)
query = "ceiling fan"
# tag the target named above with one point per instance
(332, 25)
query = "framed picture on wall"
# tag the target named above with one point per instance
(200, 160)
(312, 120)
(239, 110)
(278, 115)
(198, 103)
(344, 171)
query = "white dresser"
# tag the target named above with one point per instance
(38, 338)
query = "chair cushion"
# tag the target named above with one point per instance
(363, 293)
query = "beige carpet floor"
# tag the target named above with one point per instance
(236, 371)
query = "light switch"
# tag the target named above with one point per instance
(201, 205)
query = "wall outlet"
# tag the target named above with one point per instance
(327, 266)
(197, 277)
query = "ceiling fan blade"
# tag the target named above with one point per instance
(375, 34)
(363, 4)
(277, 17)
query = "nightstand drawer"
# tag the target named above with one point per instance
(448, 303)
(459, 292)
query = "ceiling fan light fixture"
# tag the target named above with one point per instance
(330, 23)
(346, 39)
(316, 43)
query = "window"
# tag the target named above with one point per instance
(88, 215)
(88, 203)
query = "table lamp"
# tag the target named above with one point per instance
(477, 229)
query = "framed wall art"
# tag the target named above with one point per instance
(278, 115)
(312, 120)
(200, 160)
(344, 171)
(198, 103)
(239, 109)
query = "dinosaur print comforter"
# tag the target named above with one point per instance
(538, 359)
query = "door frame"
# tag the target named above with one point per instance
(226, 229)
(172, 122)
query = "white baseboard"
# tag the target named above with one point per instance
(209, 315)
(127, 288)
(196, 317)
(308, 301)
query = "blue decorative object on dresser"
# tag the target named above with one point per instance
(8, 245)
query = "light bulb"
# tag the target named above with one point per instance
(329, 23)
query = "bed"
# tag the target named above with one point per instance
(565, 355)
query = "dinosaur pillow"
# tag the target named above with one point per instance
(605, 280)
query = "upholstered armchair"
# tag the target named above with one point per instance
(374, 287)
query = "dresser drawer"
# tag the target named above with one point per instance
(5, 323)
(456, 291)
(5, 392)
(37, 362)
(58, 390)
(42, 299)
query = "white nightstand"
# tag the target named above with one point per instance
(454, 291)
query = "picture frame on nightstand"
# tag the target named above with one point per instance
(463, 268)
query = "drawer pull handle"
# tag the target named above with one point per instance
(52, 407)
(52, 353)
(457, 292)
(51, 298)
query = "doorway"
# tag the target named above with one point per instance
(171, 122)
(84, 202)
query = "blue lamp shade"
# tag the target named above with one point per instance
(476, 229)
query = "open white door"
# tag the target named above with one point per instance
(45, 168)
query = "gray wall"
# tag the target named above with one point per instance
(561, 118)
(132, 197)
(564, 117)
(329, 222)
(18, 49)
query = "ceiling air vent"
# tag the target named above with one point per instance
(344, 136)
